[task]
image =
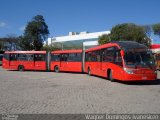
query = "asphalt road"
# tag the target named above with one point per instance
(32, 92)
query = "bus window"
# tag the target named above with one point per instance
(95, 56)
(55, 57)
(6, 56)
(74, 57)
(88, 57)
(109, 54)
(78, 57)
(13, 57)
(64, 57)
(30, 57)
(118, 58)
(39, 57)
(22, 57)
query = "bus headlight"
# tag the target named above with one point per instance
(155, 71)
(128, 71)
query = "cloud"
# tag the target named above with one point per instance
(22, 28)
(3, 24)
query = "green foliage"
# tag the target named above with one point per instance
(156, 29)
(148, 30)
(36, 32)
(127, 32)
(104, 39)
(50, 48)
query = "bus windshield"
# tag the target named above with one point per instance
(139, 59)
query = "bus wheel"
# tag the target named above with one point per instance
(89, 72)
(56, 69)
(21, 68)
(110, 76)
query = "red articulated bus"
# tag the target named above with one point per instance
(66, 60)
(25, 60)
(124, 61)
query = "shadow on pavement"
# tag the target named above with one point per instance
(151, 82)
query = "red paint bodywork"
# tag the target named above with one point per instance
(70, 66)
(118, 72)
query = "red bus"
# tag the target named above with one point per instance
(125, 61)
(66, 60)
(25, 60)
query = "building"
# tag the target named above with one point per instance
(8, 44)
(76, 39)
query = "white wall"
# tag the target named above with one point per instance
(78, 37)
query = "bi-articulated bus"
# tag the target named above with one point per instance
(125, 61)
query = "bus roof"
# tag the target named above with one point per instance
(27, 52)
(102, 47)
(125, 45)
(67, 51)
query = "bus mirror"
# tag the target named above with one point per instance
(122, 52)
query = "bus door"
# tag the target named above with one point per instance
(64, 64)
(6, 60)
(13, 60)
(74, 62)
(96, 65)
(39, 62)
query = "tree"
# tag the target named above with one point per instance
(156, 29)
(128, 32)
(36, 32)
(50, 48)
(148, 30)
(104, 39)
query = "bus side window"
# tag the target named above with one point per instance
(88, 56)
(118, 58)
(29, 57)
(21, 57)
(55, 57)
(6, 56)
(98, 56)
(39, 57)
(78, 57)
(93, 57)
(71, 57)
(64, 57)
(74, 57)
(109, 54)
(13, 57)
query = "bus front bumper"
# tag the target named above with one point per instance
(139, 77)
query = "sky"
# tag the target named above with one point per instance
(63, 16)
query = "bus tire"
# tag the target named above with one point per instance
(89, 72)
(21, 68)
(56, 69)
(110, 76)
